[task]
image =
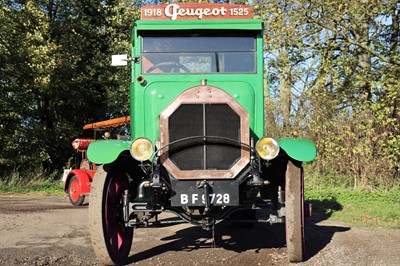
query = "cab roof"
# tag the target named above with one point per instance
(239, 24)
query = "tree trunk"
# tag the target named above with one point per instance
(285, 87)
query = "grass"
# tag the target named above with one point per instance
(357, 207)
(36, 186)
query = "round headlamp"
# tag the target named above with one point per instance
(141, 149)
(267, 148)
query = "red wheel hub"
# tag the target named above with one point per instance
(74, 190)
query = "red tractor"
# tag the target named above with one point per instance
(77, 182)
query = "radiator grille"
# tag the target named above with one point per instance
(218, 120)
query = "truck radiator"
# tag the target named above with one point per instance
(208, 120)
(201, 131)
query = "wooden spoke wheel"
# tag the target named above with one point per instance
(111, 240)
(294, 202)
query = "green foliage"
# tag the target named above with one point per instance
(333, 69)
(55, 76)
(32, 184)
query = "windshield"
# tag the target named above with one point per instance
(219, 52)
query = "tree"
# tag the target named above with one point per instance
(56, 76)
(333, 65)
(333, 69)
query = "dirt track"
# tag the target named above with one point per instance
(49, 231)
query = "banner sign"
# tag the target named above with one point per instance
(195, 11)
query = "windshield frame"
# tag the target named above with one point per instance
(225, 52)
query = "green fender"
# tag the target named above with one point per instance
(302, 150)
(106, 151)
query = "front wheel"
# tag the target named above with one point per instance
(74, 192)
(294, 202)
(111, 240)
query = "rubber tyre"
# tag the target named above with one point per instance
(74, 192)
(294, 202)
(111, 240)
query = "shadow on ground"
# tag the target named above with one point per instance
(260, 236)
(317, 235)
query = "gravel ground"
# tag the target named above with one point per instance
(38, 230)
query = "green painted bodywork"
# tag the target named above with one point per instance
(106, 151)
(150, 98)
(303, 150)
(232, 24)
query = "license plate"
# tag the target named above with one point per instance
(216, 199)
(220, 193)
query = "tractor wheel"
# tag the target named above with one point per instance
(111, 240)
(294, 201)
(74, 192)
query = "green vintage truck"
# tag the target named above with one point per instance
(199, 146)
